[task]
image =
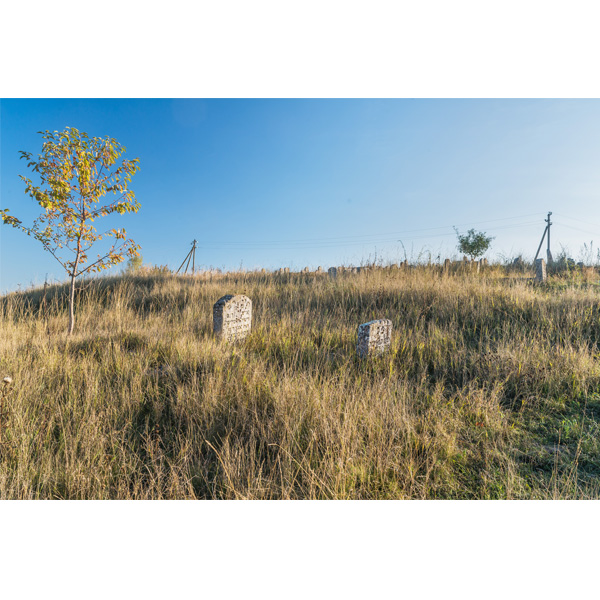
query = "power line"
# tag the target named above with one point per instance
(334, 239)
(378, 236)
(333, 244)
(579, 220)
(579, 229)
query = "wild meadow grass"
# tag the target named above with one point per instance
(491, 389)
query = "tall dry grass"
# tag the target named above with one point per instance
(490, 389)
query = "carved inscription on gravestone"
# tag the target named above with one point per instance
(374, 337)
(232, 317)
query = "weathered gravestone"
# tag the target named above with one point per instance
(332, 271)
(320, 270)
(447, 265)
(540, 270)
(373, 337)
(232, 317)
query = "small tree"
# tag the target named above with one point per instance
(134, 265)
(76, 172)
(474, 243)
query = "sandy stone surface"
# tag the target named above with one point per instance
(232, 317)
(374, 337)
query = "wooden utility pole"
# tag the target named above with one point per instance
(546, 231)
(194, 255)
(548, 253)
(191, 255)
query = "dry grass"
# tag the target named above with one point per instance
(490, 390)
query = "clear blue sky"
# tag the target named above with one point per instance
(270, 183)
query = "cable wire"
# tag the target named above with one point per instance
(366, 235)
(331, 243)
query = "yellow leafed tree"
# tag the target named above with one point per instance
(76, 172)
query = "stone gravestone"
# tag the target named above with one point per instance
(320, 270)
(373, 337)
(232, 317)
(447, 265)
(332, 271)
(540, 270)
(305, 270)
(286, 270)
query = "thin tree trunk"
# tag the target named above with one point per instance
(71, 306)
(72, 290)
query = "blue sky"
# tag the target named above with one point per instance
(270, 183)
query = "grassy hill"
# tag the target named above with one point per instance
(491, 388)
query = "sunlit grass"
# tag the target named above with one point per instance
(490, 389)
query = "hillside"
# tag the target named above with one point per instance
(491, 388)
